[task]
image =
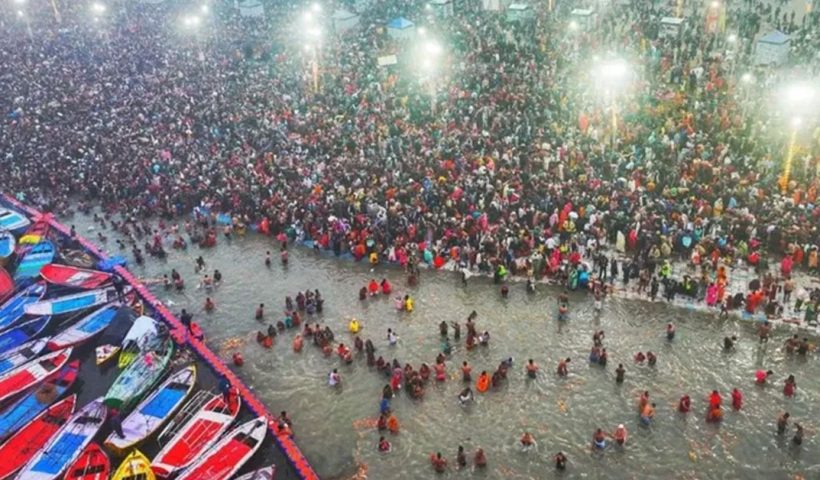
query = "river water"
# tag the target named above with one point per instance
(562, 413)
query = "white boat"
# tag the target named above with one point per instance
(266, 473)
(67, 444)
(229, 454)
(142, 332)
(19, 355)
(156, 409)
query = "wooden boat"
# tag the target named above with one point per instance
(139, 377)
(36, 233)
(13, 221)
(67, 444)
(32, 373)
(141, 335)
(68, 276)
(72, 303)
(113, 335)
(136, 466)
(33, 260)
(14, 337)
(266, 473)
(77, 258)
(24, 410)
(27, 442)
(229, 454)
(194, 430)
(7, 244)
(90, 325)
(6, 284)
(104, 353)
(92, 464)
(14, 308)
(21, 354)
(155, 410)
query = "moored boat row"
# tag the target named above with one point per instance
(49, 311)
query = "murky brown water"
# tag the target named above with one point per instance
(561, 413)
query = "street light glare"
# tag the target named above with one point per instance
(614, 69)
(799, 93)
(422, 31)
(432, 48)
(190, 21)
(573, 25)
(732, 38)
(316, 7)
(715, 4)
(205, 9)
(97, 8)
(20, 13)
(747, 78)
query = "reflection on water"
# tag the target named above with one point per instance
(561, 413)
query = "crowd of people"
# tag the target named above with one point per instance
(505, 161)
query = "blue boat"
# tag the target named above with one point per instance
(74, 302)
(22, 333)
(13, 221)
(28, 407)
(14, 308)
(22, 354)
(7, 244)
(86, 328)
(33, 260)
(67, 444)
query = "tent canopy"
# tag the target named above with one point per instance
(343, 14)
(400, 23)
(775, 37)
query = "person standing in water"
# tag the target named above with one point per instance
(532, 369)
(560, 461)
(789, 386)
(620, 372)
(620, 434)
(782, 423)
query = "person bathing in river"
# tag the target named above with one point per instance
(562, 369)
(599, 439)
(685, 404)
(620, 435)
(531, 368)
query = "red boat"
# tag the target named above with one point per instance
(36, 232)
(92, 464)
(6, 284)
(32, 373)
(196, 428)
(73, 277)
(28, 441)
(229, 454)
